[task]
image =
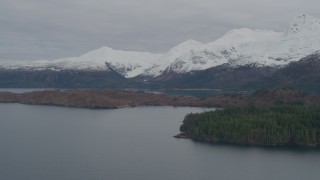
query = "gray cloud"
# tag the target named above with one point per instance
(43, 29)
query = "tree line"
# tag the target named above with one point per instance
(277, 125)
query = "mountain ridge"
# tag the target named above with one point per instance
(238, 47)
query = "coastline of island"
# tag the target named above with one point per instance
(294, 125)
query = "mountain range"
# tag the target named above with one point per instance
(241, 59)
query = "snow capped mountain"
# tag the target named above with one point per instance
(237, 47)
(171, 60)
(260, 47)
(127, 63)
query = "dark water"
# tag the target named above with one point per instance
(53, 143)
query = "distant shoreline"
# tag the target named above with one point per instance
(118, 98)
(103, 98)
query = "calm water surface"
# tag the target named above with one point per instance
(53, 143)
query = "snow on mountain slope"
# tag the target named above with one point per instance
(237, 47)
(244, 46)
(127, 63)
(261, 47)
(173, 57)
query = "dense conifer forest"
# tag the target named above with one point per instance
(297, 125)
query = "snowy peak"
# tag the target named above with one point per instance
(177, 55)
(127, 63)
(304, 24)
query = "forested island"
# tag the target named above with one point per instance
(278, 125)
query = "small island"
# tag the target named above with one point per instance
(278, 125)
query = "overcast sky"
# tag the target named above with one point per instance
(49, 29)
